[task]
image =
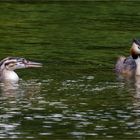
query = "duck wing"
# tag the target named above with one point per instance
(125, 65)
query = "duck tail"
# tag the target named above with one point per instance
(119, 64)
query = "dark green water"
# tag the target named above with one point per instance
(76, 95)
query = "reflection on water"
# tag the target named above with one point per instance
(132, 112)
(14, 99)
(81, 107)
(76, 94)
(137, 84)
(137, 95)
(20, 89)
(136, 107)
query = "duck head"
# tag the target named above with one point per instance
(135, 49)
(9, 64)
(13, 63)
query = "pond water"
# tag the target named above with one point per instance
(76, 94)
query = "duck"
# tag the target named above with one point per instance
(130, 66)
(9, 64)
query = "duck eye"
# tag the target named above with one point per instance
(138, 47)
(10, 65)
(24, 61)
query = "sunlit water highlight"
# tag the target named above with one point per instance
(83, 113)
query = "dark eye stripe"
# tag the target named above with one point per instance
(11, 60)
(9, 63)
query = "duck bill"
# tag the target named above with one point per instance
(31, 64)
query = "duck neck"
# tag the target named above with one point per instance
(9, 75)
(137, 66)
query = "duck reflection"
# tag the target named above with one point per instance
(15, 98)
(133, 86)
(137, 86)
(21, 89)
(136, 101)
(132, 83)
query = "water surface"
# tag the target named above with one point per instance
(76, 94)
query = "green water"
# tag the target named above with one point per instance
(76, 95)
